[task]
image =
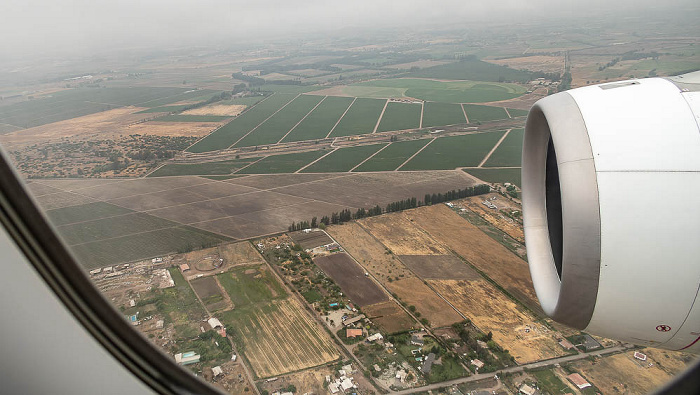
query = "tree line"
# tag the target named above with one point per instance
(399, 205)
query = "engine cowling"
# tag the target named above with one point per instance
(611, 205)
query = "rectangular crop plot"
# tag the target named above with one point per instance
(249, 286)
(311, 239)
(514, 112)
(192, 118)
(208, 168)
(360, 118)
(392, 156)
(106, 228)
(209, 292)
(321, 120)
(439, 114)
(343, 159)
(497, 175)
(439, 266)
(84, 212)
(286, 163)
(390, 316)
(351, 279)
(454, 151)
(228, 134)
(509, 152)
(476, 113)
(400, 116)
(272, 130)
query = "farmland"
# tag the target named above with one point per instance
(206, 168)
(84, 212)
(477, 113)
(397, 233)
(497, 175)
(445, 91)
(274, 129)
(390, 316)
(361, 118)
(509, 152)
(438, 114)
(209, 292)
(286, 163)
(320, 122)
(454, 151)
(471, 69)
(310, 240)
(343, 159)
(351, 279)
(392, 156)
(400, 116)
(193, 118)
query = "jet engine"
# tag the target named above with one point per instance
(611, 205)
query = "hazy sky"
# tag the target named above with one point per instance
(31, 27)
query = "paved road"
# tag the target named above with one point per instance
(514, 369)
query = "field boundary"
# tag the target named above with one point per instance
(258, 125)
(322, 156)
(301, 120)
(507, 112)
(416, 153)
(464, 112)
(380, 116)
(498, 143)
(422, 110)
(341, 117)
(369, 157)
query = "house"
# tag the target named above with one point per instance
(417, 341)
(187, 358)
(527, 390)
(477, 363)
(375, 337)
(217, 370)
(482, 344)
(401, 375)
(578, 381)
(566, 344)
(184, 267)
(160, 324)
(590, 343)
(335, 388)
(157, 260)
(428, 363)
(346, 384)
(638, 355)
(353, 332)
(353, 320)
(214, 323)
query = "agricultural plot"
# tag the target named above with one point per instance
(351, 279)
(343, 159)
(275, 128)
(84, 212)
(392, 156)
(251, 285)
(390, 317)
(497, 175)
(447, 91)
(192, 118)
(321, 120)
(285, 163)
(439, 267)
(112, 227)
(439, 114)
(400, 116)
(361, 118)
(244, 123)
(472, 69)
(168, 109)
(207, 168)
(400, 236)
(477, 113)
(414, 292)
(514, 112)
(454, 151)
(310, 240)
(209, 292)
(509, 152)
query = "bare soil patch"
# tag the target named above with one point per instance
(172, 128)
(208, 290)
(439, 267)
(389, 316)
(397, 233)
(243, 253)
(217, 109)
(351, 279)
(414, 292)
(310, 240)
(548, 64)
(495, 217)
(307, 382)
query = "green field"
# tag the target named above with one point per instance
(441, 91)
(209, 168)
(139, 246)
(360, 118)
(374, 91)
(320, 122)
(84, 212)
(439, 114)
(343, 159)
(474, 70)
(400, 116)
(477, 113)
(168, 109)
(548, 381)
(192, 118)
(249, 289)
(227, 135)
(510, 152)
(286, 163)
(188, 96)
(107, 228)
(393, 156)
(454, 151)
(514, 112)
(272, 130)
(497, 175)
(295, 89)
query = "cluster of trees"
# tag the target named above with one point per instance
(631, 55)
(249, 79)
(565, 82)
(609, 64)
(400, 205)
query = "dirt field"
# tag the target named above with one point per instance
(389, 316)
(208, 290)
(414, 292)
(625, 375)
(242, 253)
(497, 262)
(397, 233)
(439, 267)
(351, 279)
(548, 64)
(310, 240)
(307, 382)
(172, 128)
(492, 311)
(495, 217)
(233, 380)
(217, 109)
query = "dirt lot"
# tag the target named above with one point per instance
(495, 217)
(623, 374)
(208, 290)
(310, 240)
(414, 292)
(389, 316)
(306, 382)
(351, 279)
(233, 380)
(439, 267)
(237, 254)
(492, 311)
(397, 233)
(497, 262)
(217, 109)
(548, 64)
(172, 128)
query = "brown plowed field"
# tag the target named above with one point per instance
(351, 279)
(486, 254)
(209, 292)
(398, 234)
(413, 291)
(439, 267)
(390, 316)
(492, 311)
(311, 239)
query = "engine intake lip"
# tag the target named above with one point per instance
(564, 260)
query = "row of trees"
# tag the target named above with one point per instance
(400, 205)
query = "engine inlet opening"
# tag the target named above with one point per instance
(553, 204)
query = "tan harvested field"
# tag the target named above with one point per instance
(281, 338)
(242, 253)
(548, 64)
(439, 267)
(623, 374)
(217, 109)
(390, 316)
(172, 128)
(414, 291)
(397, 233)
(492, 311)
(523, 102)
(486, 254)
(351, 279)
(495, 217)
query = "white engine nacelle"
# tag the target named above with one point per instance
(611, 205)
